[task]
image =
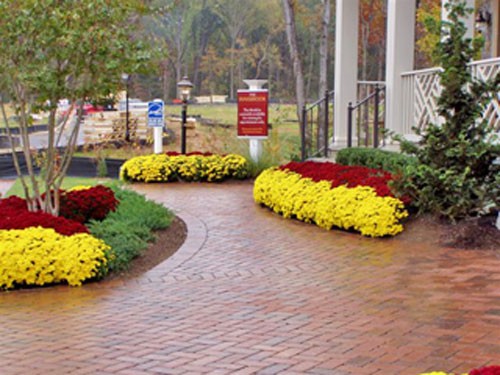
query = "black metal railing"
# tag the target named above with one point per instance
(315, 128)
(368, 119)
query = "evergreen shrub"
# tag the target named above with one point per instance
(390, 161)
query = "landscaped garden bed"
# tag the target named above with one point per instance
(100, 229)
(331, 195)
(195, 166)
(488, 370)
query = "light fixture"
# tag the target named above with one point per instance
(185, 86)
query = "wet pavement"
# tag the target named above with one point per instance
(252, 293)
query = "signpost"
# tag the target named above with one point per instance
(253, 115)
(156, 119)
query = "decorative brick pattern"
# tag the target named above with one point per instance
(252, 293)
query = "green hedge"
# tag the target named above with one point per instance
(129, 229)
(374, 158)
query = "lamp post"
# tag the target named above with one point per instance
(185, 87)
(126, 80)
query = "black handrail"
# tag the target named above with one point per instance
(376, 124)
(309, 148)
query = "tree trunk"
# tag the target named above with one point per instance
(180, 52)
(291, 32)
(166, 81)
(323, 71)
(231, 70)
(310, 70)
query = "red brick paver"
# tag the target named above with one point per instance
(252, 293)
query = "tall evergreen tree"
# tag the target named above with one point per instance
(458, 171)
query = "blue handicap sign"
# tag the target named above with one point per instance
(155, 113)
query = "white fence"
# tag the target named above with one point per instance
(422, 88)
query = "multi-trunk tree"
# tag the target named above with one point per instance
(54, 50)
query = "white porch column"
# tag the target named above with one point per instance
(470, 22)
(346, 65)
(400, 57)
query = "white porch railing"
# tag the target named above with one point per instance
(421, 88)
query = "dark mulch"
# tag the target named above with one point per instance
(168, 241)
(480, 234)
(470, 234)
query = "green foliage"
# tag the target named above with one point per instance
(54, 50)
(456, 175)
(128, 229)
(428, 25)
(393, 162)
(276, 150)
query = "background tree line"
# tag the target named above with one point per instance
(218, 43)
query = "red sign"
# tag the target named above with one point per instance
(252, 113)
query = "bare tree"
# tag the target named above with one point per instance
(291, 32)
(323, 69)
(235, 14)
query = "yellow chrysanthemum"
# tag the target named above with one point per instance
(359, 208)
(38, 256)
(164, 168)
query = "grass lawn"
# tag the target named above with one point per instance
(282, 144)
(279, 114)
(68, 182)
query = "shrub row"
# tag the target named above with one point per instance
(358, 208)
(393, 162)
(128, 229)
(39, 256)
(193, 167)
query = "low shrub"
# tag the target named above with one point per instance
(191, 167)
(128, 229)
(358, 208)
(393, 162)
(15, 215)
(39, 256)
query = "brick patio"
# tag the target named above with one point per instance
(252, 293)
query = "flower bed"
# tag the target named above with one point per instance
(489, 370)
(350, 176)
(190, 167)
(38, 256)
(328, 203)
(39, 248)
(15, 215)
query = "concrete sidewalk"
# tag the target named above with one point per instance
(252, 293)
(5, 185)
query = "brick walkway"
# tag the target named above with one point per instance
(251, 292)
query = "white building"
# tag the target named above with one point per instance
(410, 95)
